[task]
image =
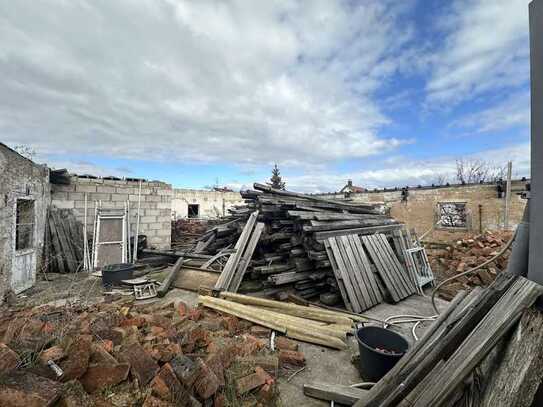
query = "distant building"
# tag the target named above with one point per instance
(351, 189)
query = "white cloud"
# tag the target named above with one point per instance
(205, 81)
(486, 47)
(412, 172)
(514, 111)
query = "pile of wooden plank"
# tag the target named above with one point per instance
(308, 324)
(64, 242)
(281, 241)
(476, 350)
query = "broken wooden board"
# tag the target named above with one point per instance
(193, 280)
(335, 392)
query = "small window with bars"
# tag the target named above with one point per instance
(24, 224)
(453, 215)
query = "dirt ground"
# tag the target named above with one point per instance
(322, 364)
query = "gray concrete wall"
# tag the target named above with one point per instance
(156, 204)
(20, 178)
(212, 204)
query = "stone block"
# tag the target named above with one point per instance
(100, 376)
(142, 366)
(77, 361)
(105, 189)
(27, 389)
(185, 369)
(63, 204)
(54, 353)
(291, 358)
(119, 197)
(166, 386)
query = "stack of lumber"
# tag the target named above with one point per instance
(476, 350)
(308, 324)
(64, 241)
(467, 253)
(279, 241)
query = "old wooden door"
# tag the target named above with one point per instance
(24, 255)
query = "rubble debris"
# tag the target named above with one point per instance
(467, 253)
(160, 355)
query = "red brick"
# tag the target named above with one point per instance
(232, 324)
(100, 356)
(252, 344)
(142, 366)
(74, 395)
(165, 352)
(157, 330)
(206, 383)
(75, 365)
(166, 386)
(249, 382)
(283, 343)
(292, 358)
(214, 362)
(219, 400)
(265, 376)
(266, 394)
(8, 359)
(107, 345)
(182, 309)
(100, 376)
(195, 337)
(21, 388)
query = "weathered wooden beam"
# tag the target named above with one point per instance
(334, 392)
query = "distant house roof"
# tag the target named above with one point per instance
(352, 188)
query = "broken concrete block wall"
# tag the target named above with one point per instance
(211, 204)
(25, 183)
(420, 209)
(156, 202)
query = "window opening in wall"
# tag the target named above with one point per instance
(194, 210)
(452, 214)
(24, 224)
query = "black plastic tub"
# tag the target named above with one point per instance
(113, 274)
(380, 350)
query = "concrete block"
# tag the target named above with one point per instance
(164, 205)
(76, 196)
(59, 196)
(99, 197)
(125, 190)
(152, 212)
(153, 198)
(148, 219)
(105, 189)
(85, 188)
(63, 204)
(164, 232)
(62, 188)
(119, 197)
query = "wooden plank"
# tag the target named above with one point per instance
(382, 269)
(170, 277)
(246, 258)
(514, 381)
(421, 363)
(320, 236)
(226, 276)
(504, 315)
(337, 275)
(401, 274)
(59, 257)
(360, 285)
(348, 260)
(192, 280)
(365, 270)
(357, 307)
(344, 395)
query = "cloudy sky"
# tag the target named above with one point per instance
(387, 93)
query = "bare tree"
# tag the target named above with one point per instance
(25, 151)
(472, 171)
(441, 179)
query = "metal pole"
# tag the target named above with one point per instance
(535, 263)
(135, 252)
(507, 196)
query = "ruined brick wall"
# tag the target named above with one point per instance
(20, 178)
(212, 204)
(420, 209)
(156, 202)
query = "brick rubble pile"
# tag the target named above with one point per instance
(127, 354)
(465, 254)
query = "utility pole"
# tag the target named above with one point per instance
(507, 196)
(535, 260)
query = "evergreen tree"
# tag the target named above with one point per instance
(276, 181)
